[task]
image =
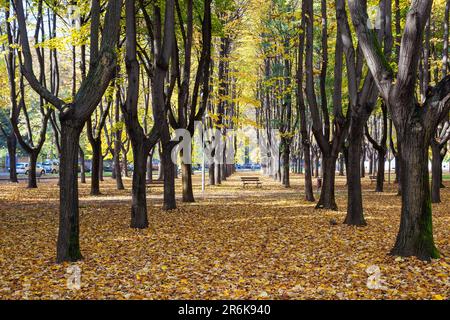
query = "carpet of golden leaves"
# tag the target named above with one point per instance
(255, 243)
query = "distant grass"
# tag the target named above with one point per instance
(446, 176)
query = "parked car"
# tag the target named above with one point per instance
(51, 166)
(24, 168)
(21, 167)
(247, 166)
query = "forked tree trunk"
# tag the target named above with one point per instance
(436, 172)
(95, 168)
(415, 237)
(186, 177)
(354, 208)
(11, 142)
(327, 199)
(139, 218)
(68, 247)
(32, 170)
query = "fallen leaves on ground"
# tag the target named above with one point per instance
(235, 243)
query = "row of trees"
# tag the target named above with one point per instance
(138, 70)
(380, 79)
(106, 85)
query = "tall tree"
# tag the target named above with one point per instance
(73, 115)
(156, 65)
(187, 111)
(330, 146)
(415, 122)
(28, 143)
(362, 101)
(309, 195)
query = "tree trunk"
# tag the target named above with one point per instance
(436, 171)
(341, 165)
(32, 170)
(125, 165)
(161, 166)
(309, 195)
(169, 179)
(100, 167)
(186, 172)
(316, 167)
(223, 167)
(398, 170)
(211, 177)
(117, 169)
(363, 165)
(380, 172)
(217, 173)
(95, 168)
(327, 199)
(11, 142)
(415, 236)
(286, 152)
(68, 246)
(354, 208)
(139, 218)
(113, 172)
(149, 167)
(82, 167)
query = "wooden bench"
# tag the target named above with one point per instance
(251, 180)
(372, 178)
(154, 183)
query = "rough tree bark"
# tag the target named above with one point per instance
(330, 148)
(74, 115)
(415, 123)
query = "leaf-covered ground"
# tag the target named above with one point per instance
(255, 243)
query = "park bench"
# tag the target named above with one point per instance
(154, 183)
(372, 178)
(251, 180)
